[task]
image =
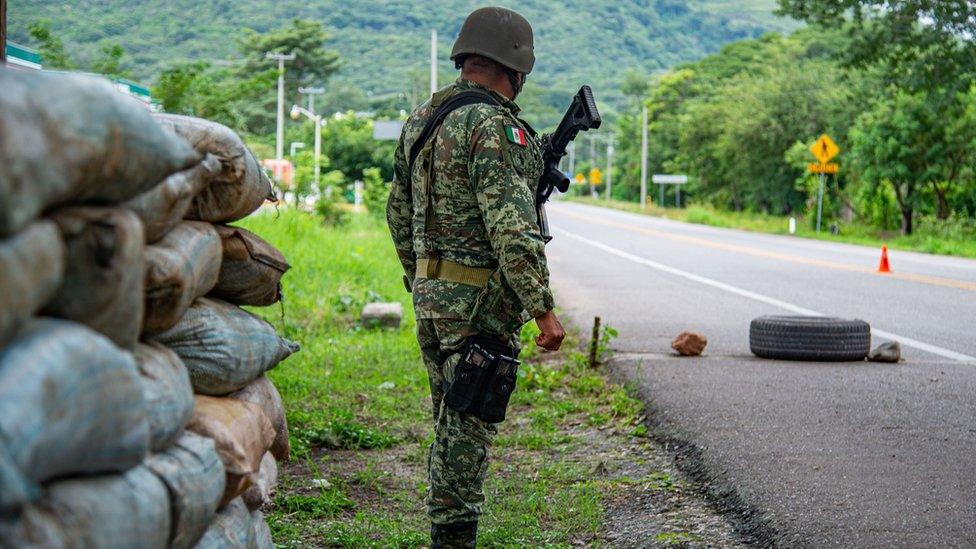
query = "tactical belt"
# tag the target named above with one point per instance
(443, 269)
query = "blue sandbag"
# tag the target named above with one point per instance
(224, 347)
(71, 403)
(194, 475)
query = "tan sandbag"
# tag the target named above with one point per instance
(224, 347)
(251, 270)
(31, 270)
(70, 138)
(263, 393)
(169, 395)
(242, 185)
(103, 280)
(242, 434)
(165, 205)
(71, 403)
(194, 475)
(263, 486)
(179, 268)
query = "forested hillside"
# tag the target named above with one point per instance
(383, 45)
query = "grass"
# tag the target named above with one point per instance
(926, 239)
(359, 412)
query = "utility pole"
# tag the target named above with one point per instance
(3, 31)
(643, 173)
(281, 58)
(609, 165)
(311, 93)
(433, 61)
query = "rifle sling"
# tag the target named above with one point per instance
(433, 267)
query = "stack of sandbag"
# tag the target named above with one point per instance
(134, 410)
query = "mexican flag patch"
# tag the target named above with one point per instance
(516, 135)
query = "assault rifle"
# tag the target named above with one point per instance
(581, 116)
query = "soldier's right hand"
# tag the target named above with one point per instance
(552, 334)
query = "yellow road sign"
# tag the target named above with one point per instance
(824, 149)
(580, 178)
(823, 168)
(596, 176)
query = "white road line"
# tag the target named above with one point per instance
(907, 341)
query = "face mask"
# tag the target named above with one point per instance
(516, 82)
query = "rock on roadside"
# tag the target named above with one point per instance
(689, 343)
(886, 352)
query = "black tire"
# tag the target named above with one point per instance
(809, 338)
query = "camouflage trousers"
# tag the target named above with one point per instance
(458, 458)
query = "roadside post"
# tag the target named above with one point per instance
(823, 150)
(676, 180)
(643, 159)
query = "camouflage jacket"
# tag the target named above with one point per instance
(486, 162)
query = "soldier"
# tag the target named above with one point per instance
(463, 220)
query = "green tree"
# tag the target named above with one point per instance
(889, 147)
(924, 44)
(109, 61)
(313, 64)
(50, 46)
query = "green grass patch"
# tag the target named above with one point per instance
(929, 237)
(358, 408)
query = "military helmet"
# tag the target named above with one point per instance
(500, 35)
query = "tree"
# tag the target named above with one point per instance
(313, 63)
(109, 61)
(890, 146)
(50, 46)
(924, 44)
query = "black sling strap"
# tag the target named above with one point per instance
(455, 102)
(432, 266)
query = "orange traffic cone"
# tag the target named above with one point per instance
(884, 267)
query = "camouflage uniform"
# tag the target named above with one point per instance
(483, 216)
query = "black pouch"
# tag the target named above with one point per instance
(498, 389)
(484, 379)
(475, 366)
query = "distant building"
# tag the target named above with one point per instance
(24, 58)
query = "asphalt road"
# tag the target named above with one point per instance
(809, 454)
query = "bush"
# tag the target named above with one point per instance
(375, 191)
(329, 205)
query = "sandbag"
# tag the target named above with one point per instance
(169, 395)
(231, 529)
(179, 268)
(112, 511)
(224, 347)
(75, 138)
(251, 271)
(240, 188)
(103, 280)
(162, 207)
(260, 532)
(242, 434)
(31, 270)
(263, 484)
(70, 403)
(263, 393)
(194, 475)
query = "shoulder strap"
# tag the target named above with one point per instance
(455, 102)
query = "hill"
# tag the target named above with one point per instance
(384, 44)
